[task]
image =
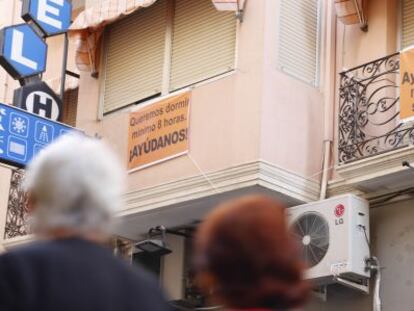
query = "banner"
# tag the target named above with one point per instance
(159, 132)
(407, 85)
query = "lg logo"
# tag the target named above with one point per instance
(339, 213)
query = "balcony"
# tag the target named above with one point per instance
(372, 142)
(369, 110)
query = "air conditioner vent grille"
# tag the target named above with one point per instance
(312, 231)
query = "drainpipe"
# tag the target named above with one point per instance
(329, 96)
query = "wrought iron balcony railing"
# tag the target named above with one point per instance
(369, 111)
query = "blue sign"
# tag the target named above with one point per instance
(22, 52)
(51, 16)
(23, 135)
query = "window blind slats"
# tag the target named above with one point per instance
(204, 41)
(298, 39)
(135, 56)
(407, 23)
(70, 107)
(203, 46)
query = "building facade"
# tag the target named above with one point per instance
(286, 100)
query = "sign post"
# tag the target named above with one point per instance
(23, 135)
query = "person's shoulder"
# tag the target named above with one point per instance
(35, 250)
(28, 249)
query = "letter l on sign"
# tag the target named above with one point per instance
(17, 51)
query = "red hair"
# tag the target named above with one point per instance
(245, 245)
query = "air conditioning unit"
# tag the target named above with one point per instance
(333, 235)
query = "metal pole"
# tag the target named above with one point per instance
(64, 65)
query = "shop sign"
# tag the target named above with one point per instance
(407, 85)
(159, 131)
(39, 98)
(53, 17)
(22, 51)
(23, 135)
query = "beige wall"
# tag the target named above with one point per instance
(357, 47)
(225, 115)
(257, 112)
(291, 112)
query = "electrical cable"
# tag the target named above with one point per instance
(388, 197)
(374, 266)
(203, 173)
(377, 287)
(366, 236)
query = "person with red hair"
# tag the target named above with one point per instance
(246, 258)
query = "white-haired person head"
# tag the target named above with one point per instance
(74, 187)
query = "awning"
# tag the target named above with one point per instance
(351, 11)
(87, 28)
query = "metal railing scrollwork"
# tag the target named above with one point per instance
(369, 111)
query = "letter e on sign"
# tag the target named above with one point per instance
(53, 17)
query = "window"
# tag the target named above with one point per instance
(167, 46)
(407, 23)
(204, 42)
(70, 107)
(298, 39)
(135, 57)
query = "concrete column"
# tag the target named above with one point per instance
(172, 271)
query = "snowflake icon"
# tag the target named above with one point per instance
(19, 125)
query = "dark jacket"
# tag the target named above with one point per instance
(74, 275)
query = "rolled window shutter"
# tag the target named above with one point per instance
(70, 106)
(407, 23)
(135, 57)
(204, 42)
(298, 39)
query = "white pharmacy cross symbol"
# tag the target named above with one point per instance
(44, 135)
(2, 114)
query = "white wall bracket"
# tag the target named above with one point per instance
(364, 287)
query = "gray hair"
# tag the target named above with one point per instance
(77, 184)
